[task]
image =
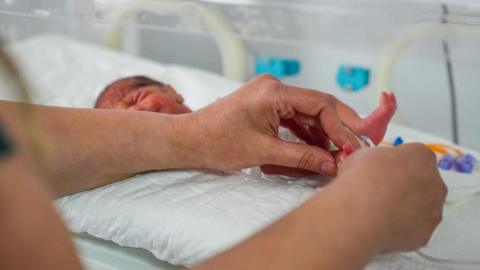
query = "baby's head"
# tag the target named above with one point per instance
(140, 93)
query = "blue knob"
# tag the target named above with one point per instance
(462, 166)
(398, 141)
(469, 158)
(353, 78)
(446, 162)
(278, 67)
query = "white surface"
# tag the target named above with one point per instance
(466, 63)
(184, 217)
(181, 217)
(68, 73)
(98, 254)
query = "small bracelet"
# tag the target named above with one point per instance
(6, 147)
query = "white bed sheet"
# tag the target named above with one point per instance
(184, 217)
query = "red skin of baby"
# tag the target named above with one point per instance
(143, 94)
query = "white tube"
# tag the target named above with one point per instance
(412, 34)
(231, 46)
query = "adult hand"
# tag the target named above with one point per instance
(241, 130)
(401, 191)
(383, 199)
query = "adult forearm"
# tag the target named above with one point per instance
(33, 236)
(330, 231)
(85, 148)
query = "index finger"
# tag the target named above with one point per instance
(323, 107)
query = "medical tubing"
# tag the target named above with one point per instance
(232, 49)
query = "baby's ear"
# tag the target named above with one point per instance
(178, 97)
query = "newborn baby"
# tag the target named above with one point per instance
(144, 94)
(140, 93)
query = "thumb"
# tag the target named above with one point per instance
(302, 156)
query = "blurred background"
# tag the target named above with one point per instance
(340, 47)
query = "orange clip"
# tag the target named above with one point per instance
(444, 149)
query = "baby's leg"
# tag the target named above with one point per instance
(375, 125)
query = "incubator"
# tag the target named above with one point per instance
(426, 52)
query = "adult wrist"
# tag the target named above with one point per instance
(360, 214)
(365, 208)
(185, 140)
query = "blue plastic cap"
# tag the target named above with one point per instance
(445, 164)
(463, 167)
(469, 158)
(463, 164)
(468, 168)
(398, 141)
(448, 157)
(278, 67)
(353, 78)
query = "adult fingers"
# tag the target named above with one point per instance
(314, 129)
(312, 135)
(302, 156)
(321, 105)
(304, 119)
(335, 130)
(300, 131)
(287, 171)
(319, 137)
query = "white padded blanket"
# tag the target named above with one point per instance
(184, 217)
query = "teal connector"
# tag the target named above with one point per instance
(278, 67)
(353, 78)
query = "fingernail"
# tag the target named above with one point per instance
(329, 168)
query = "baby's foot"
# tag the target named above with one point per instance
(375, 125)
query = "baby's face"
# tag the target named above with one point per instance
(152, 98)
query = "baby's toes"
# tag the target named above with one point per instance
(388, 101)
(392, 100)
